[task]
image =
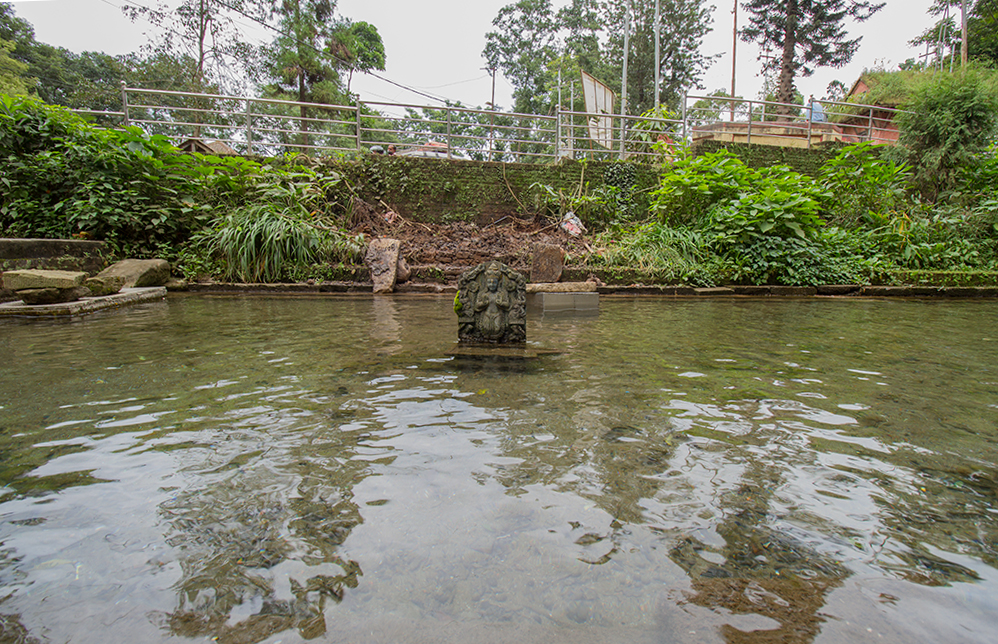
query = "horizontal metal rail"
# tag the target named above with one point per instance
(274, 126)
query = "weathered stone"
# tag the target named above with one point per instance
(562, 287)
(41, 279)
(139, 273)
(403, 272)
(547, 263)
(176, 284)
(719, 290)
(838, 289)
(793, 291)
(53, 254)
(491, 305)
(103, 286)
(36, 296)
(382, 258)
(83, 307)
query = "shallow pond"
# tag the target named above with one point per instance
(280, 470)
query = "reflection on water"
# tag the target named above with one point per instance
(322, 469)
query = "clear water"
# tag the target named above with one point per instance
(280, 470)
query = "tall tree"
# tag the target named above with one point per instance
(683, 25)
(357, 45)
(524, 41)
(530, 35)
(13, 73)
(202, 31)
(805, 34)
(982, 29)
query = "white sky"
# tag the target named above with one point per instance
(435, 45)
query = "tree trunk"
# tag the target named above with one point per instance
(785, 89)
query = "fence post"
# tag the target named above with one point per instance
(686, 98)
(359, 126)
(124, 102)
(810, 124)
(748, 133)
(557, 133)
(448, 133)
(870, 133)
(249, 126)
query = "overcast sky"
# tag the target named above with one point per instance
(435, 45)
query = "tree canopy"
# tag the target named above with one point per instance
(531, 42)
(805, 35)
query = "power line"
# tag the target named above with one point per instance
(332, 55)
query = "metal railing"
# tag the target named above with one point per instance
(270, 127)
(788, 124)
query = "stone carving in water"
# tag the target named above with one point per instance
(491, 305)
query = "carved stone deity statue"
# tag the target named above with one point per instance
(491, 305)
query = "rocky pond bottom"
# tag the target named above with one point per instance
(288, 470)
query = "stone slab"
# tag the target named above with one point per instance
(561, 287)
(38, 278)
(711, 292)
(793, 291)
(126, 297)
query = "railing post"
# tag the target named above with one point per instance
(557, 133)
(748, 132)
(686, 98)
(359, 126)
(448, 132)
(870, 132)
(124, 102)
(810, 124)
(249, 126)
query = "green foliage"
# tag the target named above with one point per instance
(693, 185)
(950, 120)
(62, 177)
(610, 202)
(860, 179)
(669, 253)
(280, 230)
(808, 34)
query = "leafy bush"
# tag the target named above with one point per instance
(950, 120)
(693, 185)
(860, 180)
(63, 177)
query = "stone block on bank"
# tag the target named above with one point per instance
(34, 296)
(42, 279)
(547, 263)
(139, 273)
(382, 258)
(102, 286)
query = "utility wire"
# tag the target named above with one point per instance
(325, 53)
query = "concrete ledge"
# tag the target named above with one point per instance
(84, 306)
(711, 292)
(57, 254)
(564, 302)
(561, 287)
